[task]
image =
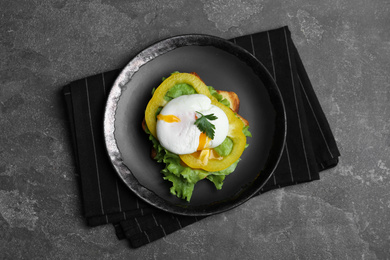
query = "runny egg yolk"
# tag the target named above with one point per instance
(168, 118)
(204, 141)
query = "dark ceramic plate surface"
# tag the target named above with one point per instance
(224, 66)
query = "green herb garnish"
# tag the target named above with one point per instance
(204, 125)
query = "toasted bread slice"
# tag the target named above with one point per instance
(234, 103)
(232, 98)
(246, 123)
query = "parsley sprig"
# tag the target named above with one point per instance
(204, 125)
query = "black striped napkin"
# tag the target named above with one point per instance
(310, 146)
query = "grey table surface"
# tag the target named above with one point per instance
(345, 46)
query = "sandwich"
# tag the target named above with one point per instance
(196, 132)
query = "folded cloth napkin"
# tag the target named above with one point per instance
(310, 146)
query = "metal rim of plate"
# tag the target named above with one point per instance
(160, 48)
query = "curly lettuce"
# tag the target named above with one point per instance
(184, 178)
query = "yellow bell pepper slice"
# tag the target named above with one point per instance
(235, 124)
(158, 100)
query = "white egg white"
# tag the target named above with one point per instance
(183, 137)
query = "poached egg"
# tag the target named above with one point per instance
(176, 129)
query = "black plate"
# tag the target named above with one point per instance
(224, 66)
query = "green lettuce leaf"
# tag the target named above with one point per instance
(179, 90)
(184, 178)
(218, 96)
(180, 188)
(246, 132)
(225, 148)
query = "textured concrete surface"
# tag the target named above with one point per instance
(345, 45)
